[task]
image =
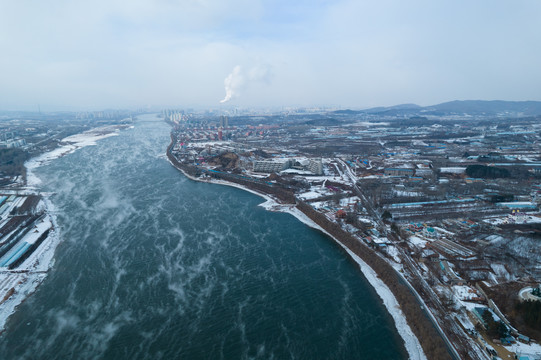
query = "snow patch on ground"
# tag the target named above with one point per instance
(392, 251)
(465, 293)
(36, 267)
(465, 321)
(527, 218)
(452, 170)
(532, 350)
(349, 201)
(417, 241)
(439, 229)
(315, 193)
(501, 272)
(73, 143)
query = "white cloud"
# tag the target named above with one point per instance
(352, 53)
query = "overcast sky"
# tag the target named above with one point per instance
(348, 53)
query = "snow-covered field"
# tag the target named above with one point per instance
(349, 201)
(17, 284)
(533, 350)
(522, 218)
(72, 143)
(315, 192)
(452, 170)
(465, 293)
(417, 241)
(392, 251)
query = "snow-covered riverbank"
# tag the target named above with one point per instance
(72, 143)
(17, 284)
(412, 344)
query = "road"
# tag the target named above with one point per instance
(408, 263)
(366, 203)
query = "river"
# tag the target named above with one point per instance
(155, 266)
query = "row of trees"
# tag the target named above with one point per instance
(530, 311)
(495, 329)
(524, 315)
(491, 172)
(12, 162)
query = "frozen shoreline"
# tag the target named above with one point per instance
(45, 256)
(36, 266)
(412, 344)
(41, 261)
(73, 143)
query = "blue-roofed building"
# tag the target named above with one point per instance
(526, 205)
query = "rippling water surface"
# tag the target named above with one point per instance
(155, 266)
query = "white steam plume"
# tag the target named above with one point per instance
(238, 79)
(232, 83)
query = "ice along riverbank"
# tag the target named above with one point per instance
(19, 282)
(154, 265)
(411, 342)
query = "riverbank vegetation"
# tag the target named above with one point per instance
(12, 162)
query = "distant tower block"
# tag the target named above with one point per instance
(226, 124)
(222, 121)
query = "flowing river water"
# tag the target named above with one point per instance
(156, 266)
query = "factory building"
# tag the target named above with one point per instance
(270, 166)
(399, 172)
(316, 167)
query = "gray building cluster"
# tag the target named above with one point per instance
(270, 166)
(277, 165)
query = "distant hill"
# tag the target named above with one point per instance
(347, 112)
(323, 122)
(394, 109)
(457, 107)
(478, 107)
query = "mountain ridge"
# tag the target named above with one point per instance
(455, 107)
